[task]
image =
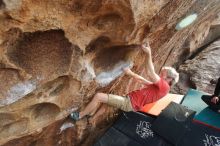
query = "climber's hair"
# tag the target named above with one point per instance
(172, 73)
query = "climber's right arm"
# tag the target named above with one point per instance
(137, 77)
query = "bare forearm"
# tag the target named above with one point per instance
(150, 68)
(149, 63)
(139, 78)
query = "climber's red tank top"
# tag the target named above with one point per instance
(148, 94)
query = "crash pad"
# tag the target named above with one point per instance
(200, 135)
(132, 129)
(204, 115)
(155, 108)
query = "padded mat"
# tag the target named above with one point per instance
(200, 135)
(156, 107)
(132, 129)
(204, 115)
(173, 122)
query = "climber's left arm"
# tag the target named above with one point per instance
(137, 77)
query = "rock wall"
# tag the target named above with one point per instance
(201, 72)
(56, 54)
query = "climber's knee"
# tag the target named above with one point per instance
(101, 97)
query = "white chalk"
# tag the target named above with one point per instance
(18, 91)
(105, 78)
(65, 126)
(90, 73)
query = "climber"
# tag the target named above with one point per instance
(213, 100)
(153, 90)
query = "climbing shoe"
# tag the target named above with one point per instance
(74, 116)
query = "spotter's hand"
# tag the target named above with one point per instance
(215, 100)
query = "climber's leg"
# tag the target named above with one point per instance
(91, 107)
(94, 104)
(120, 102)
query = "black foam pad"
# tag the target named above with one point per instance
(132, 128)
(173, 122)
(201, 135)
(113, 137)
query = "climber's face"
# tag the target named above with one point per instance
(163, 74)
(169, 80)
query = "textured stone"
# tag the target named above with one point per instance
(203, 70)
(55, 55)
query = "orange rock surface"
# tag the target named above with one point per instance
(56, 54)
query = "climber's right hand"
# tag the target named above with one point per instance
(146, 48)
